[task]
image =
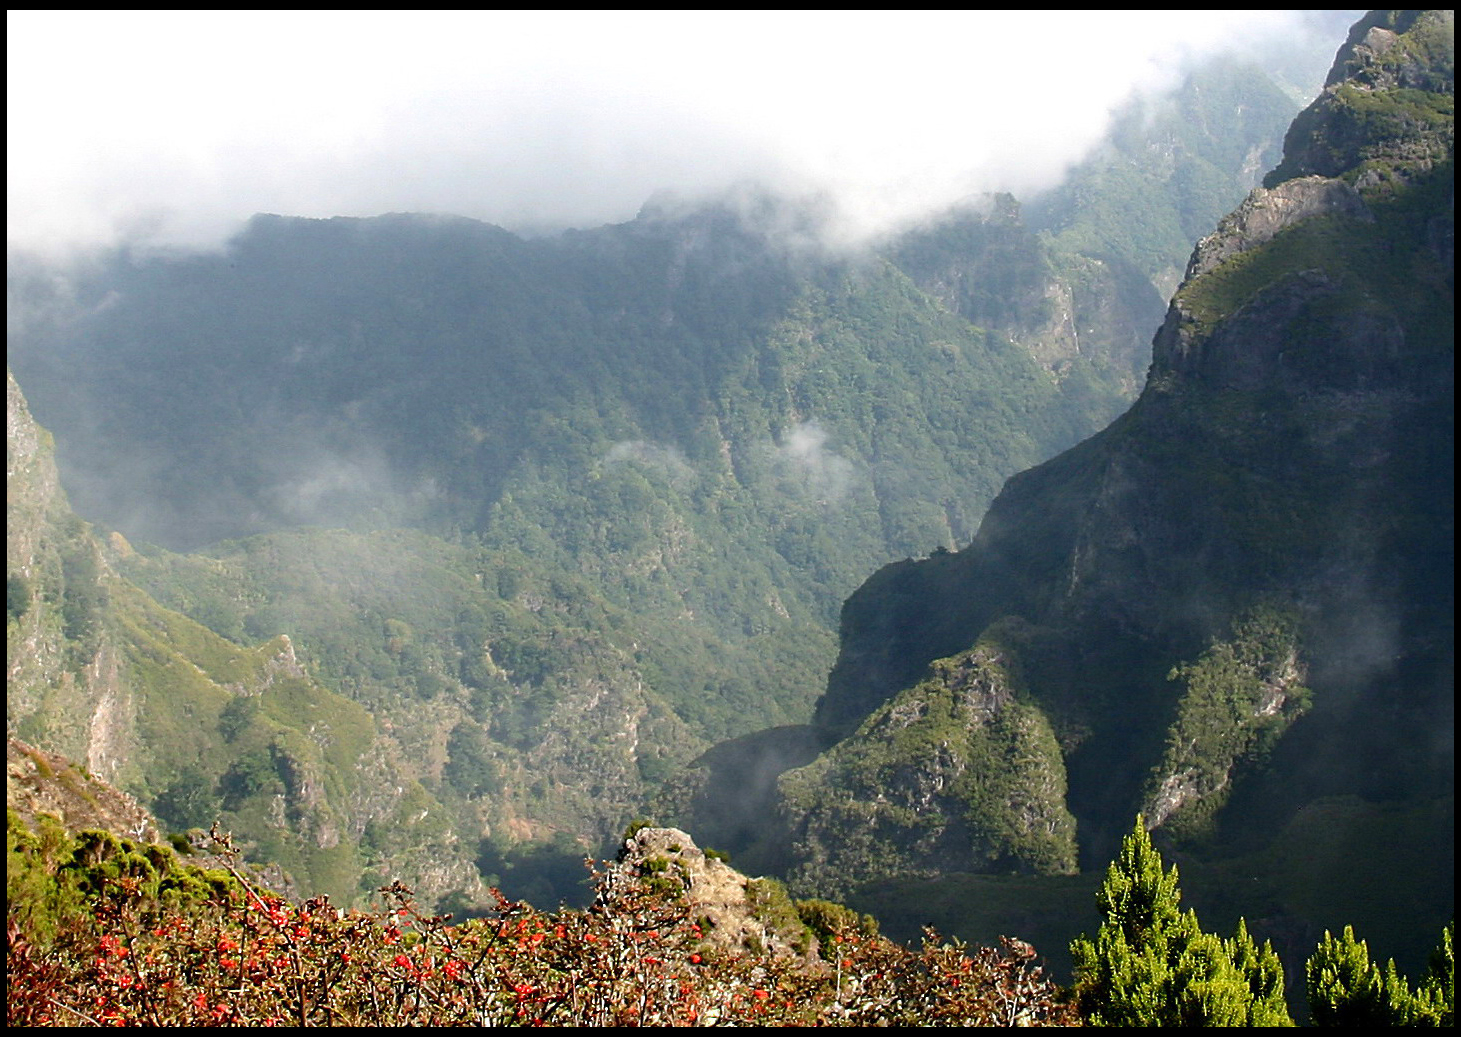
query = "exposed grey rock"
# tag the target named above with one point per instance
(1266, 211)
(1369, 60)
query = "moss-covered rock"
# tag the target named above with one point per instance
(959, 773)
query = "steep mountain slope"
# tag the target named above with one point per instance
(1164, 175)
(38, 782)
(199, 727)
(1235, 603)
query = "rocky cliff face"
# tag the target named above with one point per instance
(1272, 516)
(1387, 107)
(1265, 212)
(33, 495)
(58, 660)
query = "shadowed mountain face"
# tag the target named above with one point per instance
(1231, 608)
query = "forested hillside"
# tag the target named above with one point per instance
(556, 515)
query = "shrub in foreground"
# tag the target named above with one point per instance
(240, 955)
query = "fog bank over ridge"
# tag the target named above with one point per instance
(174, 128)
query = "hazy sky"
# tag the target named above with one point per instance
(181, 125)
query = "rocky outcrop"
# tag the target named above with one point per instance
(38, 782)
(954, 774)
(1386, 112)
(1267, 211)
(734, 912)
(1389, 50)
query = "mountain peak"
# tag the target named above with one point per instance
(1389, 49)
(1387, 109)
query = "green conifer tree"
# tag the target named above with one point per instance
(1152, 965)
(1346, 988)
(1438, 991)
(1264, 973)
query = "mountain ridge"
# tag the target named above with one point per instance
(1251, 562)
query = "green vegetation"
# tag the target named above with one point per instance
(1152, 965)
(959, 773)
(1239, 697)
(773, 907)
(1347, 989)
(827, 921)
(55, 882)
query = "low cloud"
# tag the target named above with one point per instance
(803, 458)
(175, 127)
(666, 459)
